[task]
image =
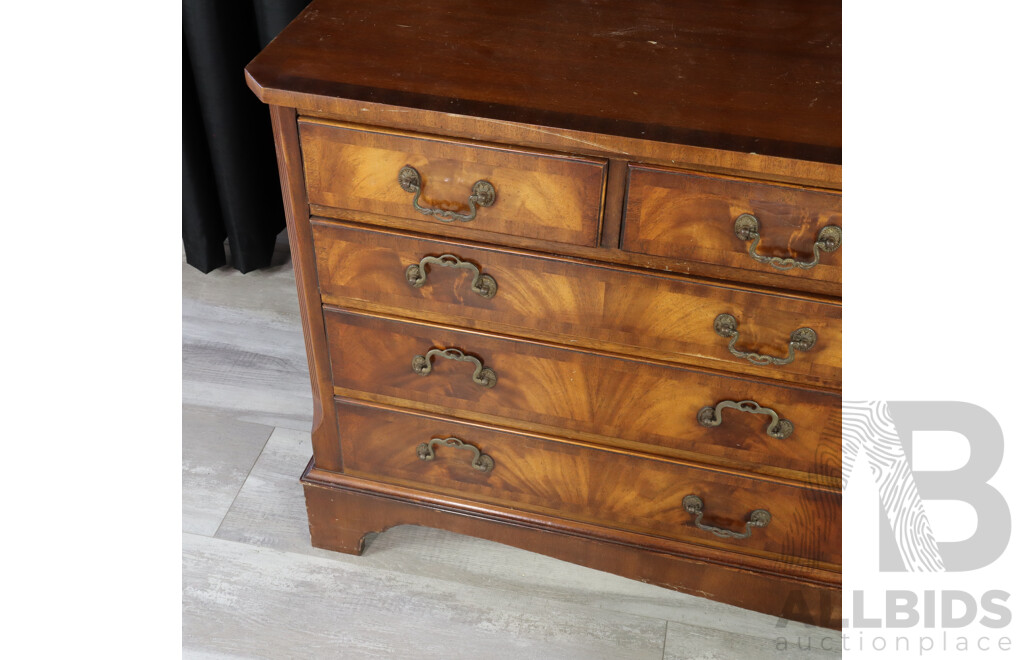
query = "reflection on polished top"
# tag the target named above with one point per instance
(739, 75)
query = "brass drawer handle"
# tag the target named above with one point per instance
(780, 429)
(481, 462)
(695, 507)
(801, 339)
(416, 274)
(482, 375)
(483, 194)
(747, 228)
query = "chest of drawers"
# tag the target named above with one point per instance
(570, 280)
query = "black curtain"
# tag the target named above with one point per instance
(229, 171)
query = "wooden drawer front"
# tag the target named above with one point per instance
(537, 195)
(692, 217)
(637, 405)
(603, 307)
(601, 486)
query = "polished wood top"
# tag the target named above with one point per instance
(735, 75)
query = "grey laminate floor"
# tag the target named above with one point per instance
(254, 587)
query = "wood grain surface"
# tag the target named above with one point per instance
(242, 347)
(710, 643)
(739, 76)
(600, 486)
(602, 307)
(589, 396)
(260, 589)
(344, 510)
(244, 601)
(300, 239)
(538, 195)
(217, 453)
(270, 512)
(691, 217)
(615, 135)
(608, 252)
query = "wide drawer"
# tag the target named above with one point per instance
(713, 220)
(607, 487)
(604, 307)
(531, 194)
(673, 411)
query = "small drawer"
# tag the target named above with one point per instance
(672, 411)
(499, 190)
(616, 489)
(737, 224)
(608, 308)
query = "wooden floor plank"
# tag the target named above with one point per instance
(242, 346)
(270, 509)
(217, 452)
(748, 639)
(256, 602)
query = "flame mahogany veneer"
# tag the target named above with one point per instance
(516, 236)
